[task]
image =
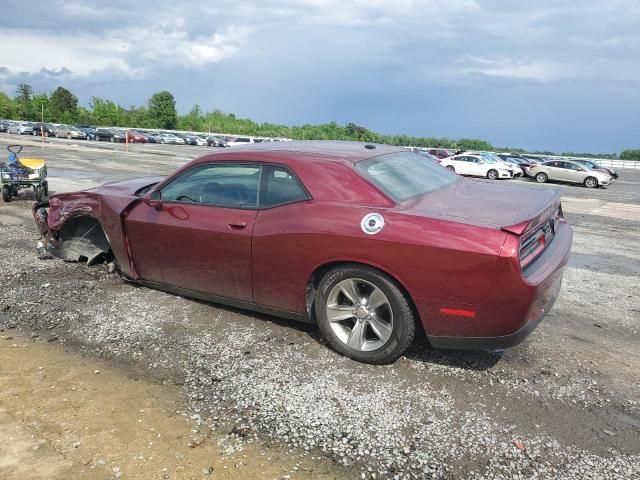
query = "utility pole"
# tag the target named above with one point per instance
(42, 128)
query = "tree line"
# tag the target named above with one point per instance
(61, 106)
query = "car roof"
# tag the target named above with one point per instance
(350, 152)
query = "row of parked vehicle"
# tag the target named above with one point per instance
(506, 165)
(113, 134)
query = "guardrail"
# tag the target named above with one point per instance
(618, 163)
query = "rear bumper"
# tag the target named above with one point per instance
(503, 341)
(542, 283)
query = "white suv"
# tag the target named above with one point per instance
(476, 166)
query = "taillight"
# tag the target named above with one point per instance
(536, 241)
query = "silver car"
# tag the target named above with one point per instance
(69, 131)
(567, 171)
(21, 128)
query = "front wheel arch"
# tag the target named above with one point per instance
(82, 239)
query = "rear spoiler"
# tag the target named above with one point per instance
(528, 225)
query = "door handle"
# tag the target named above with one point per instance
(238, 225)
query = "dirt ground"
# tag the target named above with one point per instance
(563, 404)
(67, 416)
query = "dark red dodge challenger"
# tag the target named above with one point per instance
(370, 242)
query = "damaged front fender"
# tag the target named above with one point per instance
(80, 238)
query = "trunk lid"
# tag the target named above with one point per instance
(515, 208)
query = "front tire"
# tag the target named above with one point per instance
(492, 174)
(364, 315)
(591, 182)
(542, 177)
(6, 193)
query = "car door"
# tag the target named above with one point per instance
(199, 236)
(564, 172)
(279, 244)
(461, 165)
(475, 166)
(553, 170)
(574, 172)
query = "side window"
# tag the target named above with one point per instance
(230, 186)
(280, 187)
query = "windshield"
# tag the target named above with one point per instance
(403, 176)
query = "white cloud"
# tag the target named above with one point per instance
(513, 68)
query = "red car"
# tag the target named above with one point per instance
(135, 137)
(370, 242)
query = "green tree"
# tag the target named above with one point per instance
(6, 106)
(40, 104)
(64, 106)
(630, 154)
(23, 101)
(473, 144)
(105, 112)
(162, 110)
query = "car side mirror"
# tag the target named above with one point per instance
(154, 199)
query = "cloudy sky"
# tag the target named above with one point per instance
(549, 74)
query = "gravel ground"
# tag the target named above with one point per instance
(564, 404)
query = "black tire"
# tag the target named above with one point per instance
(541, 177)
(493, 174)
(403, 326)
(451, 167)
(591, 182)
(38, 191)
(45, 189)
(6, 193)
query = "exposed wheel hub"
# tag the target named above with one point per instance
(362, 312)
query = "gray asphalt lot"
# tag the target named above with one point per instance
(563, 404)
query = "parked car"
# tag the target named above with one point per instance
(70, 132)
(215, 141)
(440, 152)
(197, 140)
(476, 166)
(133, 136)
(170, 138)
(524, 163)
(4, 126)
(594, 166)
(90, 132)
(571, 172)
(490, 157)
(239, 141)
(227, 228)
(102, 134)
(21, 128)
(43, 130)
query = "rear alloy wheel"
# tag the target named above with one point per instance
(492, 174)
(364, 315)
(6, 193)
(450, 167)
(69, 136)
(541, 177)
